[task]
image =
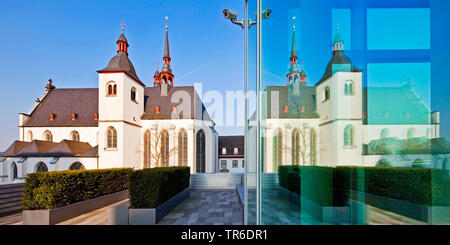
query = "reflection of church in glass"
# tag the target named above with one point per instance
(340, 122)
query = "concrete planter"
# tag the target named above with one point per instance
(428, 214)
(54, 216)
(324, 214)
(122, 215)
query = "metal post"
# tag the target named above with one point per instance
(258, 94)
(246, 113)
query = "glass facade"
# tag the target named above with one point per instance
(343, 112)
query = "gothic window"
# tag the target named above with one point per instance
(75, 136)
(348, 135)
(147, 149)
(77, 166)
(133, 94)
(111, 89)
(349, 87)
(313, 147)
(111, 138)
(41, 167)
(295, 147)
(200, 150)
(277, 150)
(164, 148)
(182, 147)
(48, 136)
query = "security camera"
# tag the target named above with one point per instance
(229, 14)
(266, 13)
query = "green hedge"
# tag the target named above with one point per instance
(323, 185)
(49, 190)
(415, 185)
(151, 187)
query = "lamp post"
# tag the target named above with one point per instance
(246, 24)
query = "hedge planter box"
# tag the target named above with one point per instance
(324, 214)
(146, 216)
(57, 215)
(428, 214)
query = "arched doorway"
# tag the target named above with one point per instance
(76, 166)
(201, 156)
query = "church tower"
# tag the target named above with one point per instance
(294, 74)
(166, 75)
(121, 105)
(339, 104)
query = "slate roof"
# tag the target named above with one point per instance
(339, 62)
(39, 148)
(62, 103)
(153, 98)
(405, 106)
(36, 148)
(68, 148)
(121, 63)
(230, 142)
(14, 148)
(295, 97)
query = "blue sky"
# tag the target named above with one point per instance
(69, 41)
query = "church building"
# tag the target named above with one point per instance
(122, 123)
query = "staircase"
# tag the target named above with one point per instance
(216, 181)
(11, 198)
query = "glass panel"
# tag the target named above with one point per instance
(405, 28)
(368, 158)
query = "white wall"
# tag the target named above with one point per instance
(87, 134)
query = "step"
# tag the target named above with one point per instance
(10, 199)
(11, 210)
(11, 204)
(11, 185)
(13, 194)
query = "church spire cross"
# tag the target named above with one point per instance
(123, 26)
(166, 71)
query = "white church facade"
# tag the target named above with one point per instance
(122, 123)
(340, 122)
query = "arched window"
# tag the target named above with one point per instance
(348, 135)
(41, 167)
(111, 89)
(76, 166)
(384, 133)
(133, 94)
(30, 136)
(411, 133)
(201, 154)
(313, 147)
(326, 94)
(75, 136)
(182, 148)
(164, 148)
(349, 87)
(48, 136)
(147, 149)
(277, 150)
(295, 147)
(111, 138)
(14, 171)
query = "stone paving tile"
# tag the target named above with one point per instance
(207, 208)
